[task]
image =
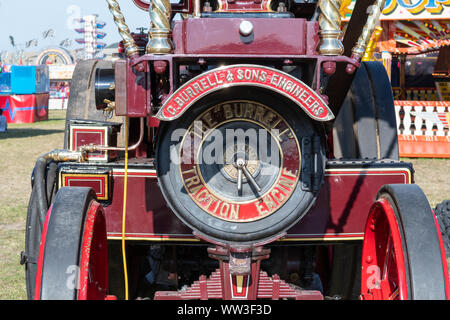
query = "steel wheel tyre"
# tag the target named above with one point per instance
(365, 127)
(73, 257)
(402, 252)
(442, 212)
(218, 199)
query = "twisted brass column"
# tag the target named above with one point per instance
(160, 31)
(372, 21)
(128, 41)
(330, 28)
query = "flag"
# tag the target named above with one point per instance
(13, 43)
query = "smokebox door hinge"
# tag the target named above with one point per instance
(311, 162)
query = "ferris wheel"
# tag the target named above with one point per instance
(54, 55)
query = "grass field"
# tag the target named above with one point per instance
(24, 143)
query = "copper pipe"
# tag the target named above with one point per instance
(93, 148)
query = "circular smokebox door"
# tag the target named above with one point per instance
(231, 168)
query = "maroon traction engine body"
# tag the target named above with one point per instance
(241, 150)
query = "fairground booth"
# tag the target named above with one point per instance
(24, 93)
(413, 41)
(60, 64)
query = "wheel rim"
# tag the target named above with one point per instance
(383, 273)
(94, 256)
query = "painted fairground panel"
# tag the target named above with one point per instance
(413, 42)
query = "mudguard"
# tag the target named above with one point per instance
(245, 75)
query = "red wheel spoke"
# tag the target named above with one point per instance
(93, 263)
(383, 251)
(389, 248)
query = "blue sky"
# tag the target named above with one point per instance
(26, 20)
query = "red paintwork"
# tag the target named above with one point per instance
(340, 211)
(344, 202)
(98, 183)
(221, 36)
(37, 291)
(86, 135)
(383, 274)
(137, 95)
(147, 212)
(138, 89)
(244, 5)
(312, 38)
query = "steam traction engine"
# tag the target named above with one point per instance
(240, 151)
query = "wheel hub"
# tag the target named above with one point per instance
(236, 157)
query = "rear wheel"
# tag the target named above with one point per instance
(365, 127)
(442, 212)
(73, 256)
(402, 252)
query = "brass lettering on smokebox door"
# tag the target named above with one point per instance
(262, 205)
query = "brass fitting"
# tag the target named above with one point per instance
(124, 31)
(368, 54)
(160, 31)
(330, 34)
(66, 155)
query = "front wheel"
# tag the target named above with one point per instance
(73, 256)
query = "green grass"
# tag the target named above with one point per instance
(433, 176)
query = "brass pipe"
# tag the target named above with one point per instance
(197, 9)
(160, 31)
(93, 148)
(124, 31)
(65, 155)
